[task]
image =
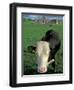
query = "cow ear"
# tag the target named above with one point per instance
(31, 49)
(43, 39)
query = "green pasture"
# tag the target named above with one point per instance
(33, 32)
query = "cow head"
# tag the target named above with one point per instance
(43, 53)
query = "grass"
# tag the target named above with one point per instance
(33, 32)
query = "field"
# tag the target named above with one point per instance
(32, 32)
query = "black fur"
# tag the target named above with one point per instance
(52, 37)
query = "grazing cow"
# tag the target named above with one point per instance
(46, 49)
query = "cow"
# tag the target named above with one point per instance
(46, 50)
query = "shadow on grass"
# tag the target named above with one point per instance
(34, 72)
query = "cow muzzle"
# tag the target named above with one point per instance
(42, 70)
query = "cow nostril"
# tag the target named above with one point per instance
(42, 70)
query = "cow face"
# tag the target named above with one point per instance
(43, 53)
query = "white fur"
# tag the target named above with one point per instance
(43, 52)
(51, 61)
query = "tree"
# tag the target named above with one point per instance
(57, 19)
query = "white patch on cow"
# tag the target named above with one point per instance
(43, 52)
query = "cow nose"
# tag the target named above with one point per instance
(42, 70)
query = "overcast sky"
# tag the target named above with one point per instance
(50, 17)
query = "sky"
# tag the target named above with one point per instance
(50, 17)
